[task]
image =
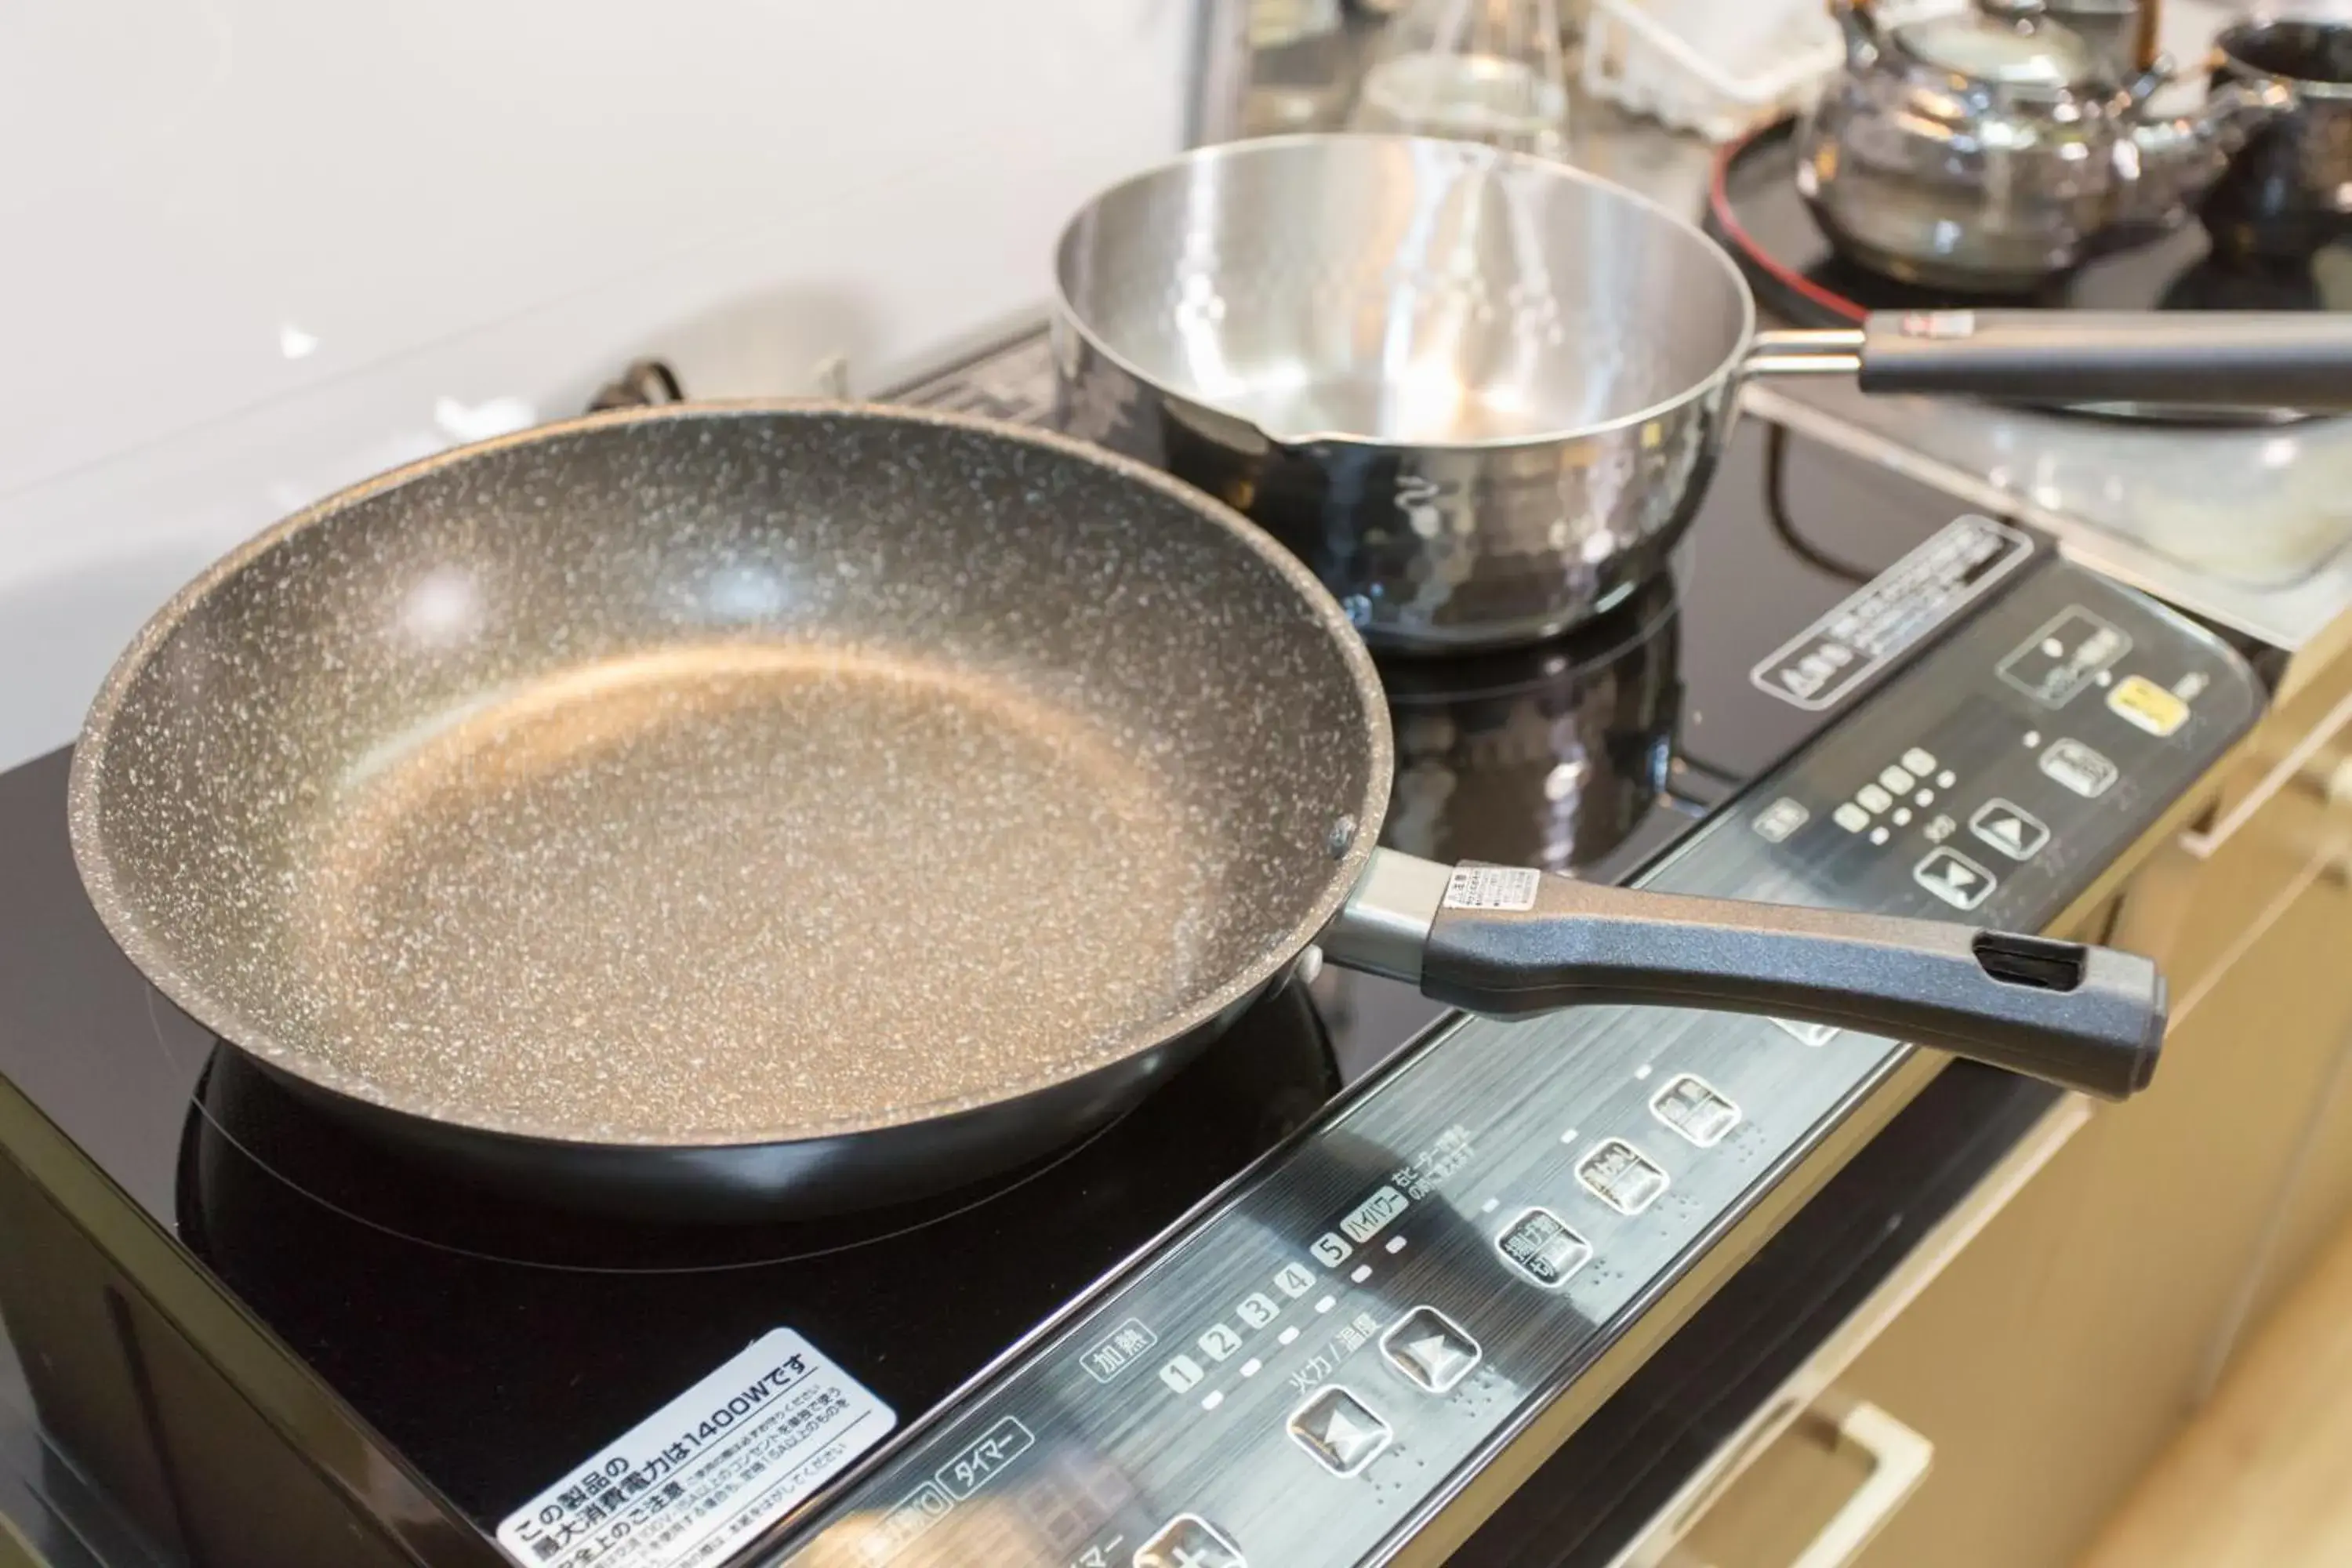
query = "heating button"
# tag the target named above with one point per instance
(1339, 1430)
(1188, 1541)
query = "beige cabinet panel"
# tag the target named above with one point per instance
(2319, 1199)
(2058, 1353)
(2055, 1357)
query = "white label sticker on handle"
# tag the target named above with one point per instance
(1492, 888)
(1942, 324)
(699, 1477)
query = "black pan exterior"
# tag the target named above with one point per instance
(800, 1178)
(741, 808)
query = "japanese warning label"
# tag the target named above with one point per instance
(696, 1479)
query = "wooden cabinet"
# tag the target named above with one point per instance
(2053, 1358)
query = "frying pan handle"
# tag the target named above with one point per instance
(1512, 942)
(2256, 359)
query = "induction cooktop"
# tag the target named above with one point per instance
(1286, 1310)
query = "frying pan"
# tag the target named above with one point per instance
(727, 811)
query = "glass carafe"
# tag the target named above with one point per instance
(1471, 70)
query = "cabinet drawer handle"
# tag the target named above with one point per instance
(1900, 1459)
(2205, 846)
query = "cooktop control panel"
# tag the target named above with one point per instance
(1390, 1300)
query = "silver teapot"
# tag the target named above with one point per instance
(1988, 149)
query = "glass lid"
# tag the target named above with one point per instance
(2012, 43)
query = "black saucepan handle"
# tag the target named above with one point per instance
(1510, 942)
(2268, 359)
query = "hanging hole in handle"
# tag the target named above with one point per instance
(2032, 961)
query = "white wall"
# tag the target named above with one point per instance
(257, 248)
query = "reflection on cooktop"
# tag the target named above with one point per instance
(1545, 756)
(259, 1164)
(2320, 281)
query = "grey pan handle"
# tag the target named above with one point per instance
(2249, 359)
(1514, 942)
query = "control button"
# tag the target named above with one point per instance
(1897, 781)
(1339, 1429)
(2010, 828)
(1776, 821)
(1695, 1109)
(1920, 762)
(1295, 1279)
(1540, 1247)
(2063, 657)
(2139, 700)
(1874, 798)
(1181, 1375)
(1431, 1348)
(1809, 1033)
(1851, 817)
(1954, 877)
(1621, 1176)
(2078, 767)
(1257, 1308)
(1188, 1541)
(1330, 1249)
(1220, 1341)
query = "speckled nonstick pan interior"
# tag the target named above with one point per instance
(718, 811)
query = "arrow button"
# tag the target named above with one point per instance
(2010, 828)
(1339, 1430)
(1431, 1348)
(1955, 878)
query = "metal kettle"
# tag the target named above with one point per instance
(1988, 149)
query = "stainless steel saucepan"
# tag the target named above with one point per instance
(1481, 394)
(722, 811)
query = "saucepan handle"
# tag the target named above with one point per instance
(2258, 358)
(2215, 359)
(1512, 942)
